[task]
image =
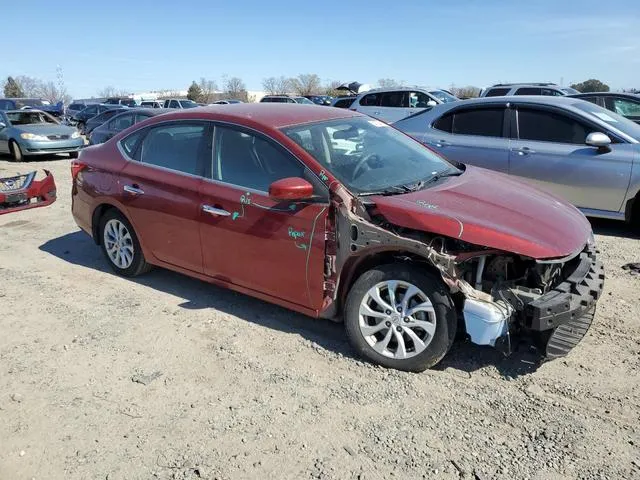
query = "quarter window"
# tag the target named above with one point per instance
(179, 147)
(250, 161)
(485, 122)
(545, 126)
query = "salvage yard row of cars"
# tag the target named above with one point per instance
(409, 239)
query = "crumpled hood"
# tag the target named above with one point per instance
(494, 210)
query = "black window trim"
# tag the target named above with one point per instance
(506, 124)
(615, 138)
(316, 182)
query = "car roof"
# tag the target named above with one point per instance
(531, 84)
(403, 88)
(606, 94)
(267, 115)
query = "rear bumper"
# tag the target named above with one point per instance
(29, 193)
(571, 299)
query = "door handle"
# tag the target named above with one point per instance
(523, 151)
(215, 211)
(133, 189)
(441, 143)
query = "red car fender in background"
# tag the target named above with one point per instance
(23, 192)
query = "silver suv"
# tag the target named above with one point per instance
(395, 103)
(549, 89)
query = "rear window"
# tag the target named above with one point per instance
(497, 92)
(484, 122)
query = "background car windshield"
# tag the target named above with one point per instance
(616, 121)
(29, 118)
(367, 155)
(188, 104)
(444, 96)
(29, 102)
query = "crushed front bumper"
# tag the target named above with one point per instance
(23, 192)
(564, 314)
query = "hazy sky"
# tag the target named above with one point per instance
(149, 45)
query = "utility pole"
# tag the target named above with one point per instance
(60, 79)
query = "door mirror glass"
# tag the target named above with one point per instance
(598, 139)
(291, 188)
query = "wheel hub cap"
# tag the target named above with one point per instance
(118, 244)
(397, 319)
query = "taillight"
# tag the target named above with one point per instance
(76, 168)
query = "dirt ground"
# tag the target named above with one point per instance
(168, 377)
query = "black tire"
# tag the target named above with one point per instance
(138, 264)
(433, 287)
(16, 152)
(73, 154)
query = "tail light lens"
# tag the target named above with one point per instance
(76, 168)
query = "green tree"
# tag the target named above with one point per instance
(12, 89)
(195, 92)
(591, 85)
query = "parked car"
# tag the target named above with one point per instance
(625, 104)
(152, 104)
(320, 99)
(393, 104)
(122, 121)
(285, 99)
(548, 89)
(29, 190)
(73, 109)
(343, 102)
(99, 119)
(80, 119)
(390, 238)
(126, 101)
(572, 148)
(25, 133)
(226, 102)
(56, 110)
(179, 103)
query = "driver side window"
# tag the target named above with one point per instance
(250, 161)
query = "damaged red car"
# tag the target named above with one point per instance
(30, 190)
(336, 215)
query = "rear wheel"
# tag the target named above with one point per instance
(401, 317)
(16, 152)
(121, 246)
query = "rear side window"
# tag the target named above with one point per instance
(545, 126)
(444, 123)
(485, 122)
(121, 123)
(180, 147)
(394, 99)
(529, 91)
(344, 103)
(497, 92)
(370, 100)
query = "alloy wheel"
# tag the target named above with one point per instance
(397, 319)
(118, 243)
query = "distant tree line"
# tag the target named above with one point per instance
(29, 87)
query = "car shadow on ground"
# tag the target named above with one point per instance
(35, 158)
(79, 249)
(613, 228)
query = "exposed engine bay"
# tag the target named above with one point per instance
(498, 294)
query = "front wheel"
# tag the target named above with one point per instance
(401, 317)
(121, 246)
(16, 152)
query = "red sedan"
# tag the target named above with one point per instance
(336, 215)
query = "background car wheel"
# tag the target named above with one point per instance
(16, 152)
(121, 246)
(400, 317)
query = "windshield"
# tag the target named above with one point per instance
(569, 90)
(29, 118)
(188, 104)
(443, 96)
(303, 100)
(367, 155)
(28, 102)
(612, 119)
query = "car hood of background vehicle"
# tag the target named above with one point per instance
(492, 210)
(46, 129)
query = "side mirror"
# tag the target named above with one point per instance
(291, 188)
(431, 103)
(599, 140)
(3, 125)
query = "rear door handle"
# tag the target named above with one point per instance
(133, 189)
(523, 151)
(215, 211)
(441, 143)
